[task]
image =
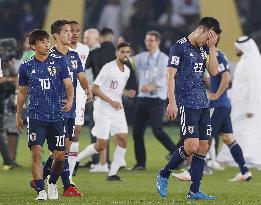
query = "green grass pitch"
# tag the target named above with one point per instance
(136, 188)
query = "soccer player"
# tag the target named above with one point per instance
(44, 77)
(61, 31)
(187, 93)
(81, 98)
(220, 118)
(108, 114)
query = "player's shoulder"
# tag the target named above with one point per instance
(83, 47)
(221, 56)
(179, 45)
(28, 61)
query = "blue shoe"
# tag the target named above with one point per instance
(200, 196)
(162, 185)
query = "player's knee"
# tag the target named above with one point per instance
(100, 145)
(36, 152)
(191, 146)
(59, 155)
(77, 132)
(227, 139)
(203, 148)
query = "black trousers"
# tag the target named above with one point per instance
(149, 110)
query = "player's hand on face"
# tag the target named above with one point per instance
(67, 105)
(19, 123)
(131, 93)
(172, 111)
(213, 96)
(212, 38)
(115, 105)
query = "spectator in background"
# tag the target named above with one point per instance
(91, 38)
(246, 103)
(113, 11)
(151, 102)
(27, 50)
(96, 60)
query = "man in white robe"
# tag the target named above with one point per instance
(246, 104)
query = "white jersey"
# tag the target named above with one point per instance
(112, 82)
(83, 52)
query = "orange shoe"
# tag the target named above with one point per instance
(72, 191)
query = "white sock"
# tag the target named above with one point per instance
(72, 156)
(88, 151)
(118, 158)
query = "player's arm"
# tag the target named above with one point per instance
(172, 109)
(207, 81)
(97, 91)
(21, 98)
(222, 87)
(69, 93)
(85, 85)
(212, 64)
(129, 93)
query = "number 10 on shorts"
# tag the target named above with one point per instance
(60, 141)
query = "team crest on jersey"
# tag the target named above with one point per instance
(32, 136)
(203, 53)
(175, 60)
(191, 129)
(52, 70)
(74, 64)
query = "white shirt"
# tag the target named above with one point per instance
(83, 52)
(112, 82)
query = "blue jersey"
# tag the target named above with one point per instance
(190, 62)
(215, 81)
(72, 58)
(45, 85)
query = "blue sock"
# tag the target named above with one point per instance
(176, 159)
(39, 185)
(66, 173)
(197, 168)
(47, 167)
(237, 154)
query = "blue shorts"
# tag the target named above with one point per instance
(221, 121)
(195, 123)
(53, 132)
(69, 128)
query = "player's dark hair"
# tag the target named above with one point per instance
(210, 23)
(123, 44)
(154, 33)
(57, 26)
(37, 35)
(106, 31)
(73, 22)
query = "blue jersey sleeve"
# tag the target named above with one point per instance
(175, 56)
(23, 78)
(79, 63)
(223, 65)
(65, 68)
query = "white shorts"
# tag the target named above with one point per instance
(109, 125)
(80, 109)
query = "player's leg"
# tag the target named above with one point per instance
(217, 119)
(237, 154)
(79, 121)
(56, 144)
(36, 138)
(119, 129)
(183, 152)
(140, 119)
(101, 129)
(198, 157)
